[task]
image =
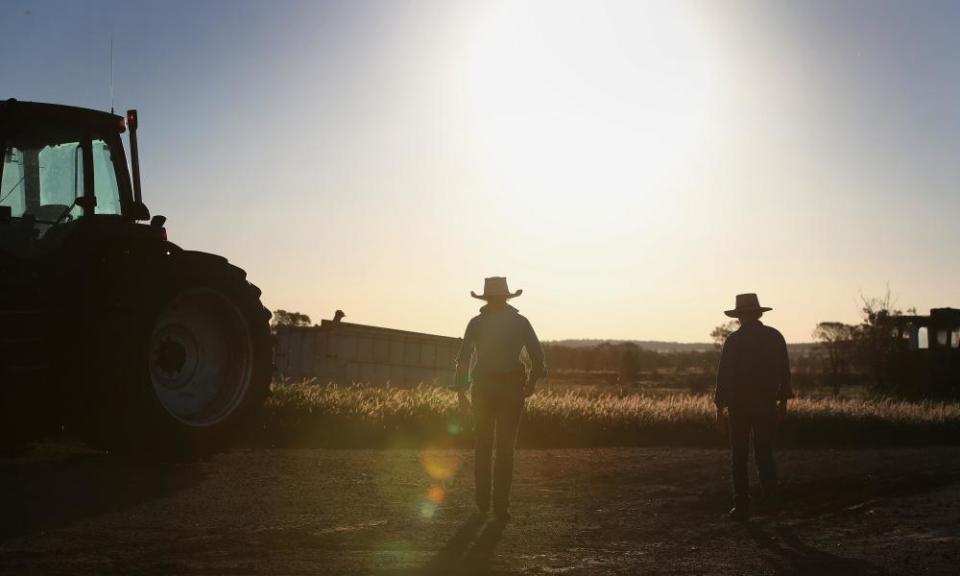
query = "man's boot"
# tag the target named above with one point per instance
(483, 506)
(741, 510)
(770, 500)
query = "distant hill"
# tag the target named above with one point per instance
(800, 348)
(665, 347)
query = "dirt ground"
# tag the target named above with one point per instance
(600, 511)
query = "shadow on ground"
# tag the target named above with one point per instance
(817, 496)
(468, 552)
(807, 496)
(39, 494)
(789, 555)
(578, 512)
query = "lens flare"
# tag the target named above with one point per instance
(391, 552)
(435, 494)
(428, 509)
(440, 465)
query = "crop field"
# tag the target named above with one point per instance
(309, 414)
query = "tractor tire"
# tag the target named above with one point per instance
(200, 361)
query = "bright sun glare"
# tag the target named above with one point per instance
(582, 110)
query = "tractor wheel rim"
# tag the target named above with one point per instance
(200, 357)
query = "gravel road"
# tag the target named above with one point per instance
(596, 512)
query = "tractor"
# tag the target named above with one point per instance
(109, 332)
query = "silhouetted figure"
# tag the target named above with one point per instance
(500, 384)
(338, 316)
(753, 384)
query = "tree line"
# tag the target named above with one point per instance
(868, 353)
(626, 358)
(844, 355)
(865, 353)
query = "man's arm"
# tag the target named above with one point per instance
(535, 352)
(725, 374)
(785, 391)
(461, 380)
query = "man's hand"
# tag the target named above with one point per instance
(529, 387)
(463, 401)
(721, 418)
(782, 409)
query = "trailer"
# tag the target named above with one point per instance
(346, 353)
(925, 359)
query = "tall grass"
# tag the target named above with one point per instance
(311, 414)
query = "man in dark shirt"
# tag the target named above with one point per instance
(753, 384)
(500, 384)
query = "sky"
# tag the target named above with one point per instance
(630, 165)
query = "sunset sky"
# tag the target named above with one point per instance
(630, 165)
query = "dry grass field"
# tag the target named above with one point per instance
(326, 415)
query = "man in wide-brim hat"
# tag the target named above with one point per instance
(499, 383)
(753, 385)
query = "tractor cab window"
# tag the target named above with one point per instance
(11, 186)
(60, 170)
(105, 179)
(44, 182)
(942, 338)
(923, 338)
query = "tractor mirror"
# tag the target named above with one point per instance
(140, 211)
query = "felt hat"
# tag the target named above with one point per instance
(496, 287)
(746, 303)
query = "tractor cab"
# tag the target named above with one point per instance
(108, 331)
(62, 165)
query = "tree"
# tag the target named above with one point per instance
(284, 319)
(838, 342)
(720, 333)
(874, 335)
(629, 362)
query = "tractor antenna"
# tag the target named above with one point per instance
(111, 72)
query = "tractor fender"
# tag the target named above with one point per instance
(198, 258)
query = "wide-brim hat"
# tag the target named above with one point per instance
(496, 287)
(746, 303)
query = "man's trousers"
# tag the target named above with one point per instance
(760, 422)
(497, 408)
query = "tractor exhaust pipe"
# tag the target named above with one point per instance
(134, 155)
